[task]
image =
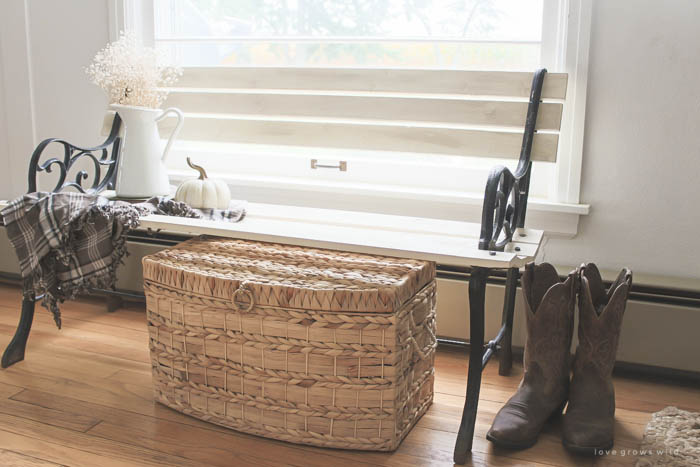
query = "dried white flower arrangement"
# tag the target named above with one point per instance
(132, 74)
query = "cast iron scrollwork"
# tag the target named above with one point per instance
(505, 200)
(104, 163)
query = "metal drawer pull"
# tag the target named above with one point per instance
(342, 165)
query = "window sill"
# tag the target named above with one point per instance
(560, 219)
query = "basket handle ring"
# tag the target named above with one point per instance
(248, 302)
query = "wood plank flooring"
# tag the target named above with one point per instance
(83, 398)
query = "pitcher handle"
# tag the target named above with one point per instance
(176, 130)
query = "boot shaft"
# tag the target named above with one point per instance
(549, 311)
(600, 319)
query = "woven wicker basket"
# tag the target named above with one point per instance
(299, 344)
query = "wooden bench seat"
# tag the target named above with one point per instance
(449, 243)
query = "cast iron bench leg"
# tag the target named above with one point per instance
(477, 295)
(506, 352)
(15, 350)
(114, 303)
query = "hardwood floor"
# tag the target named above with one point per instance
(83, 398)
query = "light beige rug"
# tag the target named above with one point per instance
(671, 438)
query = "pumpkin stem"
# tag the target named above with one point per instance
(202, 173)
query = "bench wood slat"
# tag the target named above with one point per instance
(387, 222)
(456, 111)
(474, 83)
(391, 136)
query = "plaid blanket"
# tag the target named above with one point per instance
(69, 243)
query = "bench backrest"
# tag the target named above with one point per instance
(465, 113)
(462, 113)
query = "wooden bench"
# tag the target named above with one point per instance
(485, 114)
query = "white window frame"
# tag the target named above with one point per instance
(558, 215)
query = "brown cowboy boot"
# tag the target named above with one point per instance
(590, 416)
(549, 309)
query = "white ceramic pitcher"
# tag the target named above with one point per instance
(141, 172)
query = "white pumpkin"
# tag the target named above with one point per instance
(203, 192)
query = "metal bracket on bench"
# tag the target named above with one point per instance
(505, 199)
(100, 156)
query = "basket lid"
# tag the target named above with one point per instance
(269, 274)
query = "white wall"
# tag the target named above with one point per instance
(44, 87)
(64, 38)
(641, 156)
(4, 150)
(17, 127)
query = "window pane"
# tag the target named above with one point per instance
(453, 34)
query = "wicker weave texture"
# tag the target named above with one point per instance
(258, 337)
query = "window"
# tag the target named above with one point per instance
(362, 34)
(436, 34)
